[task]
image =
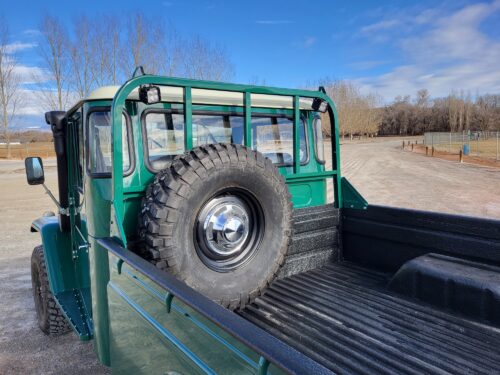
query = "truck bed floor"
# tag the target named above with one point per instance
(342, 316)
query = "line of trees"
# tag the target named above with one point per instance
(366, 115)
(456, 113)
(359, 114)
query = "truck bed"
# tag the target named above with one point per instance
(343, 316)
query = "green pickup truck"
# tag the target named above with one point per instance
(194, 235)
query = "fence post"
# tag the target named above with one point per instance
(497, 147)
(460, 157)
(403, 145)
(432, 154)
(477, 143)
(426, 150)
(449, 145)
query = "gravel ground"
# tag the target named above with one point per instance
(386, 175)
(379, 170)
(24, 349)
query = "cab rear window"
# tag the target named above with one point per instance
(271, 135)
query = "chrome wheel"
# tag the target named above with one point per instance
(228, 230)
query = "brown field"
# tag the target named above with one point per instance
(444, 153)
(21, 151)
(484, 148)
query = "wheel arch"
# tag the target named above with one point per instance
(68, 275)
(57, 248)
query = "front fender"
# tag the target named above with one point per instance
(65, 273)
(68, 273)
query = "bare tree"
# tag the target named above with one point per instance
(357, 113)
(146, 45)
(53, 48)
(10, 84)
(81, 52)
(203, 60)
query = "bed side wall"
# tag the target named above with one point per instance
(385, 238)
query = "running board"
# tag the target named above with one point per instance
(76, 305)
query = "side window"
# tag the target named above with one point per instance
(164, 137)
(319, 140)
(99, 136)
(273, 136)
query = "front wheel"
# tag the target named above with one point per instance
(50, 318)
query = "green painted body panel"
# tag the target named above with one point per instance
(69, 277)
(352, 198)
(147, 339)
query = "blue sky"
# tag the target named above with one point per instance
(392, 47)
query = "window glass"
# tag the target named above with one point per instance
(273, 137)
(217, 129)
(319, 140)
(165, 137)
(100, 156)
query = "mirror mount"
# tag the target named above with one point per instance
(61, 210)
(35, 176)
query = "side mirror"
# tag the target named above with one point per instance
(34, 171)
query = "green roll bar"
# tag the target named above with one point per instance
(188, 84)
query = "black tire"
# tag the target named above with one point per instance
(179, 196)
(50, 318)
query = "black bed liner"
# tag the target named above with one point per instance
(343, 317)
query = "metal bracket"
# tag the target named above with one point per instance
(168, 301)
(119, 265)
(139, 70)
(263, 366)
(61, 210)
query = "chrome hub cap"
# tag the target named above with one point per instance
(227, 231)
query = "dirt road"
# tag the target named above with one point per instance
(386, 175)
(381, 172)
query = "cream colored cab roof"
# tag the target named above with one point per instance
(211, 97)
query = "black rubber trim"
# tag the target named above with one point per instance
(274, 350)
(130, 141)
(145, 112)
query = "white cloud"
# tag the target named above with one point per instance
(382, 25)
(18, 46)
(31, 104)
(452, 52)
(31, 74)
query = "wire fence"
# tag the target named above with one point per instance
(484, 144)
(23, 150)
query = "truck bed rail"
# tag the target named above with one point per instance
(268, 347)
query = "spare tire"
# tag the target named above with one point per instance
(220, 219)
